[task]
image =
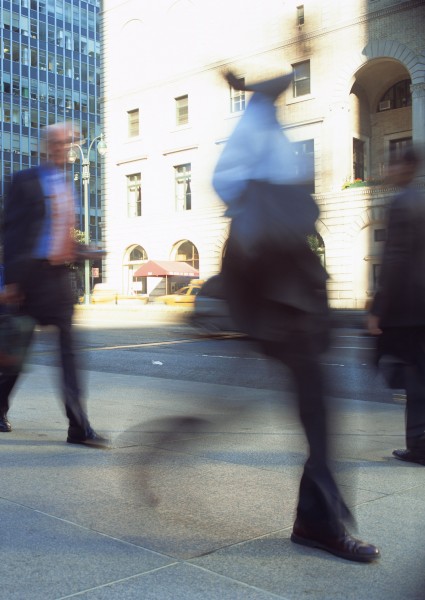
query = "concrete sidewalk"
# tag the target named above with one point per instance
(75, 521)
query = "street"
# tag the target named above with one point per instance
(172, 350)
(79, 521)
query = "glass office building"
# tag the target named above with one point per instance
(50, 72)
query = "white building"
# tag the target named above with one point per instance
(358, 95)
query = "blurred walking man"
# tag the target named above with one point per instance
(39, 216)
(397, 314)
(258, 178)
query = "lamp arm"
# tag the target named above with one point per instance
(98, 137)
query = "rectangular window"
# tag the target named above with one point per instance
(380, 235)
(42, 61)
(34, 29)
(16, 115)
(25, 87)
(16, 87)
(133, 122)
(6, 114)
(34, 118)
(304, 152)
(134, 195)
(15, 51)
(6, 18)
(6, 49)
(358, 159)
(34, 57)
(300, 15)
(6, 83)
(182, 110)
(25, 24)
(237, 98)
(42, 31)
(397, 148)
(301, 85)
(25, 55)
(183, 193)
(51, 33)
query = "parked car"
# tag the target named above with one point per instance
(211, 312)
(102, 292)
(185, 296)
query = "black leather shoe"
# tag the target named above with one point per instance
(91, 438)
(344, 546)
(410, 456)
(5, 426)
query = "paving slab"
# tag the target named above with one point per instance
(79, 522)
(45, 557)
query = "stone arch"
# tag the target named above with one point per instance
(186, 251)
(220, 244)
(414, 64)
(370, 216)
(366, 249)
(134, 256)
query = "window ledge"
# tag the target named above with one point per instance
(181, 127)
(131, 159)
(300, 99)
(182, 149)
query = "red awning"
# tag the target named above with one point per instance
(166, 268)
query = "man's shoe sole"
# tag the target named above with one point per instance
(417, 461)
(297, 539)
(89, 443)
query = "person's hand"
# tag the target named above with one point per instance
(373, 325)
(11, 294)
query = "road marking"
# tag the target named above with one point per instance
(233, 357)
(353, 347)
(142, 345)
(332, 365)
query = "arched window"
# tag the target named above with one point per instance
(138, 253)
(134, 257)
(187, 252)
(398, 96)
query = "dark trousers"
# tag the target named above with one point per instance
(407, 344)
(321, 508)
(49, 300)
(296, 338)
(415, 404)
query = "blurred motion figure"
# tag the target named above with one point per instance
(397, 314)
(39, 216)
(258, 178)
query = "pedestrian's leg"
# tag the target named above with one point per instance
(321, 510)
(7, 383)
(71, 392)
(320, 505)
(415, 408)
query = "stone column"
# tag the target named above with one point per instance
(418, 118)
(338, 142)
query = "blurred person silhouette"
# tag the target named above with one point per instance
(259, 178)
(38, 245)
(397, 313)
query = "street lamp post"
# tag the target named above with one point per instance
(85, 161)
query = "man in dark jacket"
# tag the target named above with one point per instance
(397, 314)
(38, 246)
(258, 178)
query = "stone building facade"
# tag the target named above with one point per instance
(358, 96)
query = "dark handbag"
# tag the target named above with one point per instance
(15, 337)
